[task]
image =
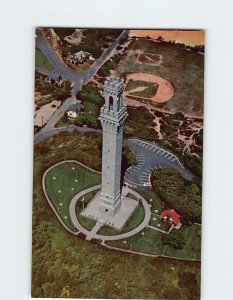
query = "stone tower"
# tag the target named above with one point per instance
(112, 117)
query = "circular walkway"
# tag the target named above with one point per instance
(92, 234)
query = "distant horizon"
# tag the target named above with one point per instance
(188, 37)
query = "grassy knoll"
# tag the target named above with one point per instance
(182, 68)
(133, 222)
(41, 60)
(63, 182)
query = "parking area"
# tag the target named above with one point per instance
(149, 158)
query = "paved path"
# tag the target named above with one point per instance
(44, 135)
(92, 234)
(150, 157)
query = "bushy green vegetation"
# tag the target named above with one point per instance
(193, 163)
(63, 182)
(140, 124)
(84, 147)
(198, 137)
(94, 41)
(175, 239)
(182, 195)
(50, 90)
(41, 60)
(111, 64)
(185, 242)
(171, 124)
(91, 101)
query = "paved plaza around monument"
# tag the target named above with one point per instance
(118, 219)
(92, 234)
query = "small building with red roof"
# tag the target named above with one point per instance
(173, 215)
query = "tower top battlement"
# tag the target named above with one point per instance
(114, 83)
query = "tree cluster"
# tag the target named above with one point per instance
(176, 192)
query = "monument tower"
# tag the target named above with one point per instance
(111, 206)
(112, 117)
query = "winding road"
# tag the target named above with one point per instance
(59, 69)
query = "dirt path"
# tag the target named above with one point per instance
(165, 90)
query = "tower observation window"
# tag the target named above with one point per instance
(111, 102)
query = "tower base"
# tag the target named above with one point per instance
(118, 220)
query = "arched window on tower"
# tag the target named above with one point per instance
(111, 103)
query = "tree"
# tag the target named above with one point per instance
(175, 239)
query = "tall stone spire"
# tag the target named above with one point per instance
(112, 117)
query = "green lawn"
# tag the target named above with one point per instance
(152, 198)
(149, 241)
(133, 222)
(41, 60)
(146, 241)
(64, 181)
(133, 84)
(150, 91)
(86, 223)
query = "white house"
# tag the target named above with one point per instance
(74, 110)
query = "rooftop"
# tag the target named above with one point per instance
(174, 216)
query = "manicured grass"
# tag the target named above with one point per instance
(64, 181)
(157, 222)
(149, 241)
(156, 206)
(41, 60)
(86, 223)
(152, 198)
(146, 241)
(133, 222)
